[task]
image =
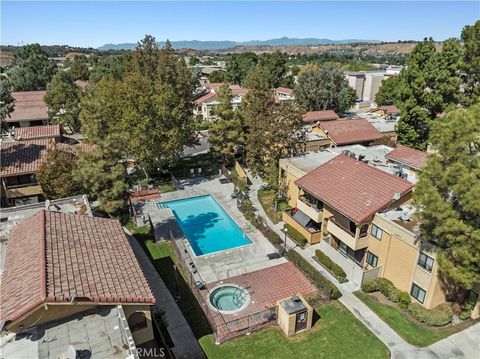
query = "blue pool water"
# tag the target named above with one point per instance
(206, 225)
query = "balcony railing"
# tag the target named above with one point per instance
(345, 235)
(305, 200)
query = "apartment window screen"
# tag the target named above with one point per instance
(426, 262)
(372, 259)
(376, 232)
(418, 293)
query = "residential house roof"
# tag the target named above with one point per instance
(204, 98)
(69, 257)
(23, 157)
(408, 156)
(29, 105)
(36, 132)
(314, 116)
(284, 90)
(352, 187)
(344, 132)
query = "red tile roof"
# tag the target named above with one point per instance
(69, 256)
(408, 156)
(325, 115)
(29, 105)
(355, 189)
(23, 157)
(284, 90)
(343, 132)
(205, 98)
(37, 132)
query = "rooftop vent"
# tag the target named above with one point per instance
(396, 196)
(405, 217)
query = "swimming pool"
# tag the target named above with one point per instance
(206, 225)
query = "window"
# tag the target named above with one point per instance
(363, 230)
(425, 262)
(418, 293)
(137, 321)
(377, 232)
(372, 259)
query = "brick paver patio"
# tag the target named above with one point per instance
(266, 287)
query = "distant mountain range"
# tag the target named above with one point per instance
(220, 45)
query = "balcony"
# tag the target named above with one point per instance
(23, 191)
(309, 209)
(346, 236)
(311, 232)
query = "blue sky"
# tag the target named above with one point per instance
(96, 23)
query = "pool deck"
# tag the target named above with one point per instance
(219, 265)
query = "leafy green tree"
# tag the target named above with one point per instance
(79, 68)
(428, 85)
(32, 69)
(150, 107)
(112, 66)
(226, 135)
(55, 174)
(276, 69)
(274, 130)
(7, 102)
(239, 65)
(447, 196)
(194, 60)
(103, 177)
(217, 76)
(324, 88)
(388, 92)
(471, 64)
(63, 100)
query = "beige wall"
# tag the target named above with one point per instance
(312, 238)
(287, 322)
(50, 312)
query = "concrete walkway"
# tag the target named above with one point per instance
(465, 344)
(185, 344)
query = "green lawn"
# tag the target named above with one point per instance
(337, 334)
(408, 328)
(163, 258)
(266, 200)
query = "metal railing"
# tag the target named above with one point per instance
(222, 328)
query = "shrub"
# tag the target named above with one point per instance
(296, 236)
(370, 286)
(272, 236)
(439, 316)
(465, 314)
(311, 273)
(403, 299)
(330, 265)
(315, 300)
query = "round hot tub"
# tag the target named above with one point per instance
(229, 298)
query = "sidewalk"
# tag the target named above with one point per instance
(185, 344)
(465, 344)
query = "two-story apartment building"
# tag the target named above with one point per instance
(208, 101)
(20, 162)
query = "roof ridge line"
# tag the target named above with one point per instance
(43, 260)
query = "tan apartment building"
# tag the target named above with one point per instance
(284, 94)
(74, 264)
(358, 212)
(204, 105)
(20, 162)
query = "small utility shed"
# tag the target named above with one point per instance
(294, 315)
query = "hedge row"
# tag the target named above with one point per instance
(439, 316)
(387, 288)
(296, 236)
(331, 265)
(311, 273)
